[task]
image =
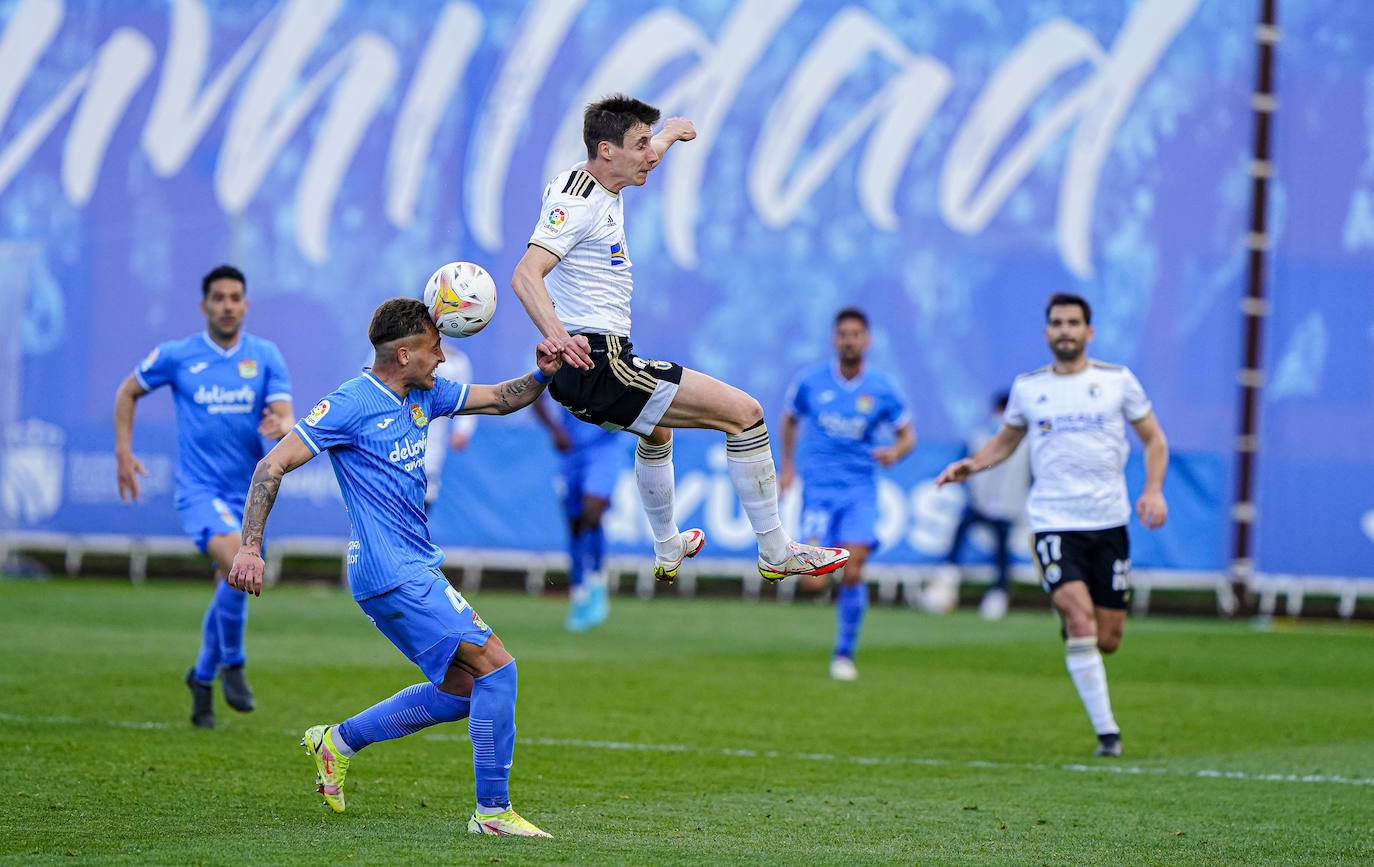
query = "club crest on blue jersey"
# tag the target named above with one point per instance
(417, 415)
(617, 255)
(248, 368)
(864, 403)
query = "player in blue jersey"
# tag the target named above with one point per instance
(375, 428)
(231, 391)
(852, 421)
(592, 460)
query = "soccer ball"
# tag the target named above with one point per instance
(461, 298)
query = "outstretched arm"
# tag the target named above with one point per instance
(675, 129)
(514, 394)
(528, 284)
(291, 452)
(1151, 507)
(127, 467)
(993, 452)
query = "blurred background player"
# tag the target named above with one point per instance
(997, 501)
(591, 462)
(374, 427)
(1078, 507)
(230, 390)
(853, 420)
(574, 282)
(447, 433)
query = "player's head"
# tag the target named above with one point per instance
(617, 131)
(224, 301)
(1068, 326)
(851, 335)
(405, 343)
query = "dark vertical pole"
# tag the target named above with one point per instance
(1254, 307)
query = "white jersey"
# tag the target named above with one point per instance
(583, 224)
(1076, 424)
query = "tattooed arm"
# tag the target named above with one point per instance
(291, 452)
(514, 394)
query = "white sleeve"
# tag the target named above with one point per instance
(564, 221)
(1134, 404)
(1015, 414)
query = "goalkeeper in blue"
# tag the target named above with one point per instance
(374, 427)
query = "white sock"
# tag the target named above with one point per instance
(654, 478)
(336, 738)
(749, 460)
(1089, 675)
(490, 811)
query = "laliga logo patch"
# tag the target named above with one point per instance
(555, 220)
(417, 415)
(149, 361)
(248, 368)
(317, 413)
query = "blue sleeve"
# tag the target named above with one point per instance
(901, 410)
(795, 402)
(332, 422)
(158, 368)
(278, 381)
(447, 397)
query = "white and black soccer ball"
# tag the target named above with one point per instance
(461, 298)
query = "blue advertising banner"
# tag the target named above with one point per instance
(945, 167)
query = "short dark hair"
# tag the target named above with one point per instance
(610, 118)
(397, 319)
(851, 313)
(1065, 299)
(221, 272)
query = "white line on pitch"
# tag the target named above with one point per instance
(1123, 770)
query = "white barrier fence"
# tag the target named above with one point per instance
(911, 584)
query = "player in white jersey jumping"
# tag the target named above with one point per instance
(375, 429)
(574, 281)
(1078, 506)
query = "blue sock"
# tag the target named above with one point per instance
(849, 617)
(577, 559)
(405, 713)
(231, 609)
(492, 729)
(207, 661)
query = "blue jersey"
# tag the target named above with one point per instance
(219, 396)
(842, 421)
(376, 442)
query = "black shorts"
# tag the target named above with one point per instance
(621, 391)
(1099, 558)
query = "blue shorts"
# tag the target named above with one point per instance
(838, 516)
(592, 470)
(426, 618)
(206, 515)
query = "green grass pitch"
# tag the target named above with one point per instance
(686, 732)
